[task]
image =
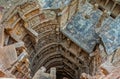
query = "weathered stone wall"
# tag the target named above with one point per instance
(39, 31)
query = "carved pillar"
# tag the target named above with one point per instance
(102, 18)
(68, 43)
(53, 72)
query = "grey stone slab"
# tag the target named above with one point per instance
(53, 4)
(81, 30)
(110, 34)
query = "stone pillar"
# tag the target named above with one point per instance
(53, 72)
(68, 43)
(95, 7)
(102, 18)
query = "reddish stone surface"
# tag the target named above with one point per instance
(108, 71)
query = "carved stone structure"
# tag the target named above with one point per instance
(70, 38)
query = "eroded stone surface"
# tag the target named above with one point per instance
(59, 38)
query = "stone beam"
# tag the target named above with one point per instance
(1, 36)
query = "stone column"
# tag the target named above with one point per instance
(102, 18)
(53, 72)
